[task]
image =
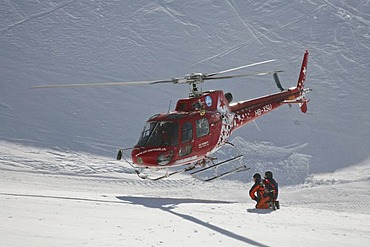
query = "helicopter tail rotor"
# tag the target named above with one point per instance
(277, 81)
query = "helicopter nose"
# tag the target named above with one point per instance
(152, 157)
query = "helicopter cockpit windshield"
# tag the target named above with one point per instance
(159, 134)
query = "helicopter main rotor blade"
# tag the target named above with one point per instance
(243, 75)
(191, 78)
(241, 67)
(127, 83)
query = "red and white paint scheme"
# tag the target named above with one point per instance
(201, 124)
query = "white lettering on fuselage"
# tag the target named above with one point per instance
(263, 109)
(150, 150)
(203, 144)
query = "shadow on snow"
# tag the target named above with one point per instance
(168, 204)
(164, 204)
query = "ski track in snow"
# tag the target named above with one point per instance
(257, 35)
(38, 15)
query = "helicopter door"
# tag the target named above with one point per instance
(203, 138)
(202, 127)
(186, 139)
(215, 127)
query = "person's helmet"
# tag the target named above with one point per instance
(257, 176)
(268, 175)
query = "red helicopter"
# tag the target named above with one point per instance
(202, 123)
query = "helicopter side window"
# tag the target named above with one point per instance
(202, 127)
(187, 132)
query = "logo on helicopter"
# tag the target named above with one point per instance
(208, 101)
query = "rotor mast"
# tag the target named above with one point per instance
(194, 80)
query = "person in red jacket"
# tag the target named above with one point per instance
(257, 193)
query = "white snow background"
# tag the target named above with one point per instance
(60, 184)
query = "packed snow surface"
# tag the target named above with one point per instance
(58, 199)
(60, 184)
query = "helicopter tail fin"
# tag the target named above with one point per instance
(303, 106)
(301, 82)
(302, 74)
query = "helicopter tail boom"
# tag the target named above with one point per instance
(249, 110)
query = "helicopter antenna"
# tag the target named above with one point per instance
(169, 106)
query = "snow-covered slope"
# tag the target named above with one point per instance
(47, 42)
(54, 198)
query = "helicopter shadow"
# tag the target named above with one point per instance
(168, 204)
(164, 202)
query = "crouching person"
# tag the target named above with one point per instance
(271, 190)
(257, 193)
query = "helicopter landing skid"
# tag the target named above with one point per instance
(192, 167)
(168, 174)
(240, 168)
(216, 165)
